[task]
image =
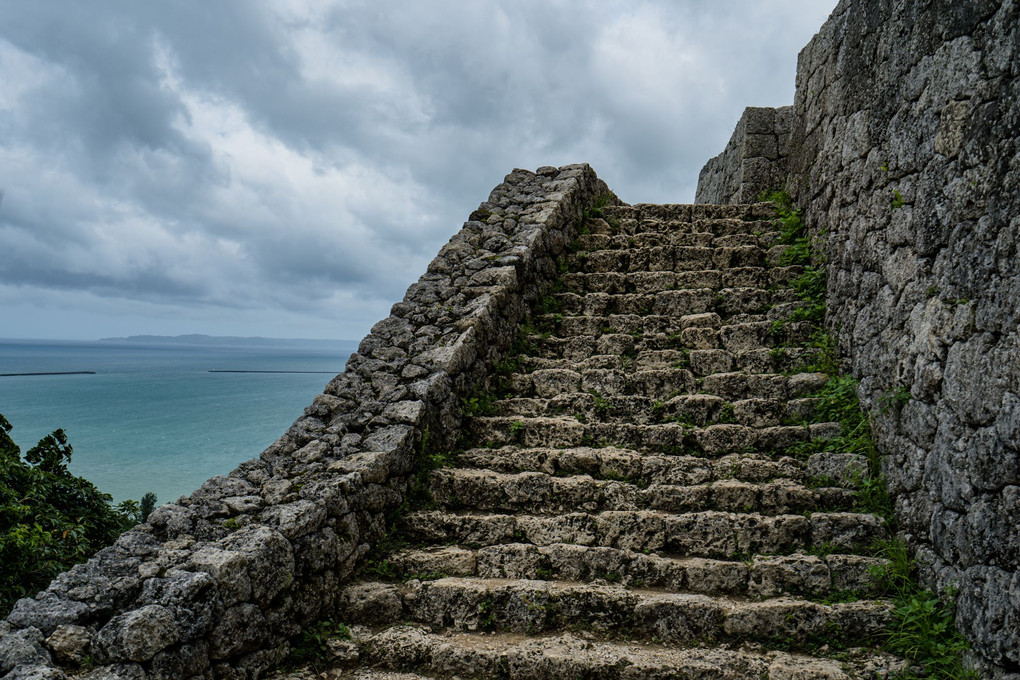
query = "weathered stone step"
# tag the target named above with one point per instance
(676, 239)
(687, 409)
(540, 493)
(513, 656)
(700, 362)
(692, 211)
(708, 533)
(594, 308)
(667, 258)
(349, 655)
(612, 463)
(528, 606)
(712, 440)
(760, 576)
(671, 303)
(734, 337)
(663, 384)
(620, 283)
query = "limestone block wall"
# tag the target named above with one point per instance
(906, 150)
(755, 160)
(213, 586)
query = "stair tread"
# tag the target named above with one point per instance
(506, 654)
(756, 576)
(705, 533)
(471, 603)
(542, 492)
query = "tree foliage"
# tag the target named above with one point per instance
(50, 519)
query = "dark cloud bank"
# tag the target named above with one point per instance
(287, 168)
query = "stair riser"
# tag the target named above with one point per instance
(701, 362)
(480, 655)
(533, 607)
(733, 338)
(692, 410)
(714, 440)
(801, 575)
(663, 385)
(704, 534)
(666, 259)
(538, 493)
(617, 464)
(650, 283)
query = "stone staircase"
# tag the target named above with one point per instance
(631, 502)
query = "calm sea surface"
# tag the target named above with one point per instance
(154, 418)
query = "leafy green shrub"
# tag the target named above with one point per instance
(50, 519)
(922, 629)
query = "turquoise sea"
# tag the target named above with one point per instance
(153, 417)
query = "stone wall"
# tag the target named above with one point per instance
(906, 151)
(214, 585)
(754, 161)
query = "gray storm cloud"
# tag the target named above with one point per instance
(287, 168)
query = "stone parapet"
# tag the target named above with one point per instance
(216, 584)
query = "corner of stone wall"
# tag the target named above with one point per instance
(753, 162)
(215, 584)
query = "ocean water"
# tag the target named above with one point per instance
(153, 418)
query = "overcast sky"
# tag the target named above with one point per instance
(286, 168)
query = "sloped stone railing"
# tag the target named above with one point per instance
(216, 584)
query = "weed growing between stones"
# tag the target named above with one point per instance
(922, 628)
(601, 201)
(312, 645)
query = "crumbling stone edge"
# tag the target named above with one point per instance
(213, 586)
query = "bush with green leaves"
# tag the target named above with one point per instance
(50, 519)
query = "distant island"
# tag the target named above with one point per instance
(196, 339)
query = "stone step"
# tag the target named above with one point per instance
(616, 464)
(677, 239)
(734, 337)
(760, 576)
(700, 362)
(582, 654)
(621, 283)
(530, 606)
(726, 302)
(664, 384)
(541, 493)
(688, 409)
(709, 533)
(712, 440)
(693, 211)
(611, 463)
(667, 258)
(349, 655)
